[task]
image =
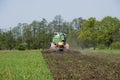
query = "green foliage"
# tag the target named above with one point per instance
(115, 45)
(0, 48)
(80, 32)
(101, 46)
(25, 65)
(108, 26)
(100, 32)
(87, 33)
(21, 47)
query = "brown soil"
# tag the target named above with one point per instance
(110, 57)
(81, 66)
(54, 51)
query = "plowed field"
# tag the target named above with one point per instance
(80, 66)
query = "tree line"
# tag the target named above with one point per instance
(81, 33)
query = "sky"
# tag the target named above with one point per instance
(13, 12)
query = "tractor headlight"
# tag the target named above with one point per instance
(60, 43)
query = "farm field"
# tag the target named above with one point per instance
(83, 66)
(68, 65)
(112, 55)
(107, 51)
(23, 65)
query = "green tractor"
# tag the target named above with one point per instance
(59, 41)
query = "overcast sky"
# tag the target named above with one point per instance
(13, 12)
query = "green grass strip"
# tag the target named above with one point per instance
(23, 65)
(108, 51)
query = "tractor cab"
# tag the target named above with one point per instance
(59, 37)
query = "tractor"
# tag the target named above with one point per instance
(59, 42)
(59, 45)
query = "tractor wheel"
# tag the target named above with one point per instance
(66, 46)
(53, 46)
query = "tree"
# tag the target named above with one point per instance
(80, 33)
(1, 40)
(77, 23)
(9, 40)
(87, 33)
(107, 29)
(27, 35)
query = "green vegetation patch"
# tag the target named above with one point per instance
(108, 51)
(23, 65)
